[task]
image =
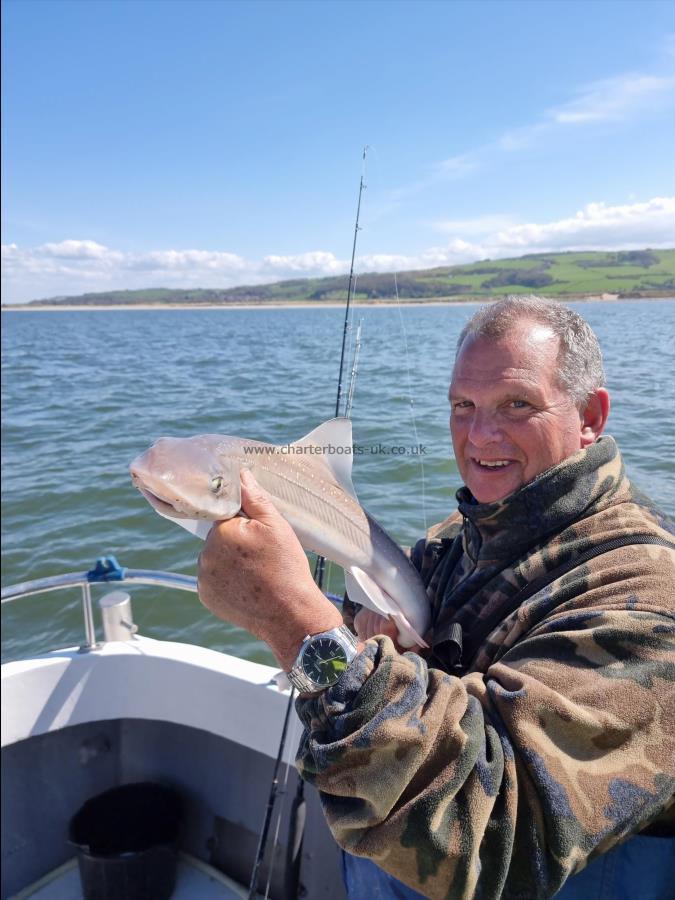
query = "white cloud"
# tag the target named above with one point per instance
(80, 250)
(304, 263)
(615, 99)
(596, 226)
(457, 166)
(78, 266)
(185, 261)
(74, 267)
(520, 138)
(453, 253)
(609, 100)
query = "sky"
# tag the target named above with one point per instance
(213, 143)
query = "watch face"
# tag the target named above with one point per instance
(324, 661)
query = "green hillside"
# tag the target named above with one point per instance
(627, 273)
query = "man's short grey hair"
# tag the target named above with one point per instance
(580, 369)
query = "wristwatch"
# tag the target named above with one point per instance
(323, 659)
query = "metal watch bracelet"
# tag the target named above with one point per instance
(297, 676)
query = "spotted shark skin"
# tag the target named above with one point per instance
(558, 743)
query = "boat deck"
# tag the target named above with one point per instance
(195, 881)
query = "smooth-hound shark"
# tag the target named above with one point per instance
(195, 482)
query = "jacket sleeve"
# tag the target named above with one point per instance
(502, 783)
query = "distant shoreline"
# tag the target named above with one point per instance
(568, 276)
(596, 298)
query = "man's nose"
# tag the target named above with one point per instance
(484, 429)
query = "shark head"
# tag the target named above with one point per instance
(188, 478)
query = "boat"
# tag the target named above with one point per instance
(124, 709)
(218, 731)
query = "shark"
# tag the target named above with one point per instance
(195, 481)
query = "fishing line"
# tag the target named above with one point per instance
(350, 331)
(412, 403)
(355, 369)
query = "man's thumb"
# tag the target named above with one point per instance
(256, 503)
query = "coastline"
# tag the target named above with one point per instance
(594, 298)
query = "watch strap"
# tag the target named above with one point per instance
(297, 675)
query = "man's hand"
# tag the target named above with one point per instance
(254, 573)
(368, 623)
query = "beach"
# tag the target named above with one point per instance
(415, 304)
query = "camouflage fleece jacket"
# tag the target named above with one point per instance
(558, 742)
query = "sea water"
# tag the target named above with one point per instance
(83, 392)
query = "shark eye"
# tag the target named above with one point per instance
(216, 483)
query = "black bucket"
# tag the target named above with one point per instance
(127, 842)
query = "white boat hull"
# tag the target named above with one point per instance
(75, 724)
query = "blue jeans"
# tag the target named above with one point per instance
(366, 881)
(641, 869)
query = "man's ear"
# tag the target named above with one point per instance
(594, 417)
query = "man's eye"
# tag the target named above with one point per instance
(462, 404)
(519, 404)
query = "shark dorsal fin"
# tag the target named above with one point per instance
(335, 437)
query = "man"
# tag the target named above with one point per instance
(538, 732)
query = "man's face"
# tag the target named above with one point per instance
(509, 420)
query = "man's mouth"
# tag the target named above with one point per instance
(491, 465)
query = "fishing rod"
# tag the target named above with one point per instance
(298, 814)
(298, 810)
(350, 286)
(321, 562)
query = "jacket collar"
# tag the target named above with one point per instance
(582, 483)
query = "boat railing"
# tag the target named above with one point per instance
(106, 571)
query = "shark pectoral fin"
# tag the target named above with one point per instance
(199, 527)
(335, 439)
(363, 590)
